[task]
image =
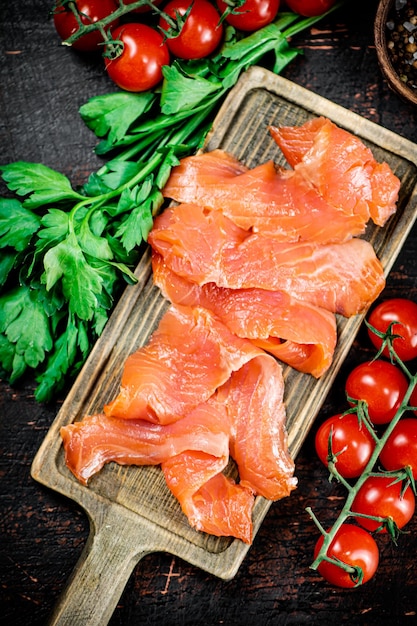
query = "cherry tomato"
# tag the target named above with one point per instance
(354, 546)
(309, 8)
(90, 11)
(400, 449)
(399, 310)
(252, 15)
(381, 497)
(139, 66)
(201, 33)
(352, 443)
(379, 383)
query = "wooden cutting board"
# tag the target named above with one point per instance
(131, 511)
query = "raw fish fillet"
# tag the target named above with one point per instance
(188, 357)
(98, 439)
(350, 176)
(336, 186)
(296, 332)
(203, 246)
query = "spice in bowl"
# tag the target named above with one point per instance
(401, 37)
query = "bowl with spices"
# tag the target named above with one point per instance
(396, 45)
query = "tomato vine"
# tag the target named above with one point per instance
(400, 479)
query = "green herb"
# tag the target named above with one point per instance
(66, 254)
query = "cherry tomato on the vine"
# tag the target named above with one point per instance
(381, 496)
(381, 385)
(400, 449)
(201, 33)
(252, 14)
(90, 11)
(399, 310)
(139, 66)
(354, 546)
(351, 443)
(310, 8)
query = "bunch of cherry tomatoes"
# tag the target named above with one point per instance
(135, 51)
(382, 384)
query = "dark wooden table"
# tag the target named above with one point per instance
(42, 534)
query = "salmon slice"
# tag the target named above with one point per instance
(267, 199)
(212, 502)
(188, 357)
(254, 397)
(297, 333)
(296, 141)
(335, 187)
(244, 419)
(341, 278)
(98, 439)
(340, 168)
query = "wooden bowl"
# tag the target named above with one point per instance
(384, 10)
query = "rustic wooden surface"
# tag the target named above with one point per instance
(42, 534)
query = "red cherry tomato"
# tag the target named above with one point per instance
(352, 443)
(400, 449)
(354, 546)
(310, 8)
(399, 310)
(90, 11)
(379, 496)
(252, 14)
(139, 66)
(200, 35)
(379, 383)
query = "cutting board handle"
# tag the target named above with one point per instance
(114, 547)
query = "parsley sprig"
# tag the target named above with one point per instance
(65, 253)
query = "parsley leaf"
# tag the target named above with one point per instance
(71, 345)
(113, 114)
(80, 282)
(25, 331)
(17, 224)
(40, 183)
(181, 92)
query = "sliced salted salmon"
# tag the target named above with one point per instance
(244, 418)
(340, 167)
(341, 278)
(267, 199)
(299, 334)
(254, 398)
(188, 357)
(335, 187)
(212, 502)
(98, 439)
(296, 141)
